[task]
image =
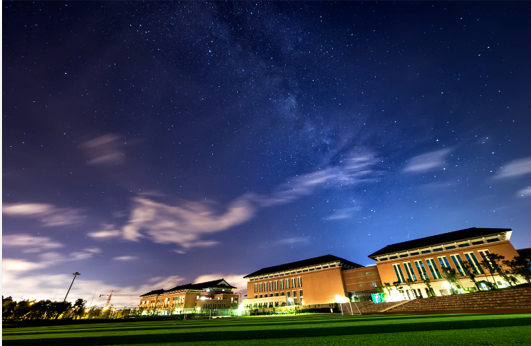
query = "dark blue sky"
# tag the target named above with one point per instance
(150, 144)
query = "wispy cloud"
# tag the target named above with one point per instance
(293, 240)
(126, 258)
(353, 170)
(103, 150)
(45, 213)
(426, 162)
(515, 168)
(183, 224)
(526, 192)
(107, 232)
(341, 214)
(29, 243)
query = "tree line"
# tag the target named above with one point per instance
(53, 310)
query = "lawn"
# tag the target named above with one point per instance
(447, 329)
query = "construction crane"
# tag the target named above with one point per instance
(112, 294)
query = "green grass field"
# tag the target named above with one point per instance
(397, 330)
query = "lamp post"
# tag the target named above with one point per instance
(75, 274)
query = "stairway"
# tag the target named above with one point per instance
(519, 298)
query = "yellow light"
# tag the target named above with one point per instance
(341, 299)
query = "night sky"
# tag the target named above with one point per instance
(150, 144)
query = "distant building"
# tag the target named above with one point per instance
(318, 280)
(424, 258)
(215, 294)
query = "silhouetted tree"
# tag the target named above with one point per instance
(469, 270)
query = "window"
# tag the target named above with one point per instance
(438, 249)
(256, 296)
(293, 282)
(299, 281)
(414, 253)
(471, 258)
(398, 272)
(256, 287)
(281, 293)
(270, 285)
(300, 293)
(478, 242)
(492, 240)
(276, 284)
(325, 267)
(484, 254)
(281, 284)
(393, 257)
(433, 268)
(450, 247)
(444, 262)
(276, 294)
(260, 296)
(422, 270)
(294, 294)
(287, 283)
(409, 271)
(383, 259)
(288, 294)
(261, 287)
(464, 245)
(404, 255)
(457, 261)
(425, 251)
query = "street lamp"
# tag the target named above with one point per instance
(75, 274)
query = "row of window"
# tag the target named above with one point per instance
(276, 294)
(347, 266)
(434, 269)
(439, 249)
(278, 284)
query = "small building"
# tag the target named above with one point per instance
(320, 280)
(425, 258)
(216, 294)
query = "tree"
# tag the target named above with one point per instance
(37, 310)
(388, 288)
(427, 282)
(22, 308)
(520, 266)
(487, 265)
(469, 269)
(94, 312)
(409, 284)
(496, 261)
(451, 277)
(8, 307)
(79, 308)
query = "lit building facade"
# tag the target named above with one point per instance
(425, 258)
(319, 280)
(215, 294)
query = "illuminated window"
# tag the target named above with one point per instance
(287, 283)
(471, 258)
(433, 268)
(299, 281)
(444, 262)
(421, 270)
(398, 272)
(293, 282)
(294, 293)
(270, 285)
(300, 293)
(256, 287)
(409, 271)
(276, 284)
(457, 262)
(281, 284)
(288, 294)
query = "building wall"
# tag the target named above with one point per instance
(189, 300)
(361, 279)
(387, 271)
(319, 287)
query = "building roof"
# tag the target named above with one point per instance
(220, 283)
(438, 239)
(300, 264)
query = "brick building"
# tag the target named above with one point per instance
(318, 280)
(215, 294)
(424, 258)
